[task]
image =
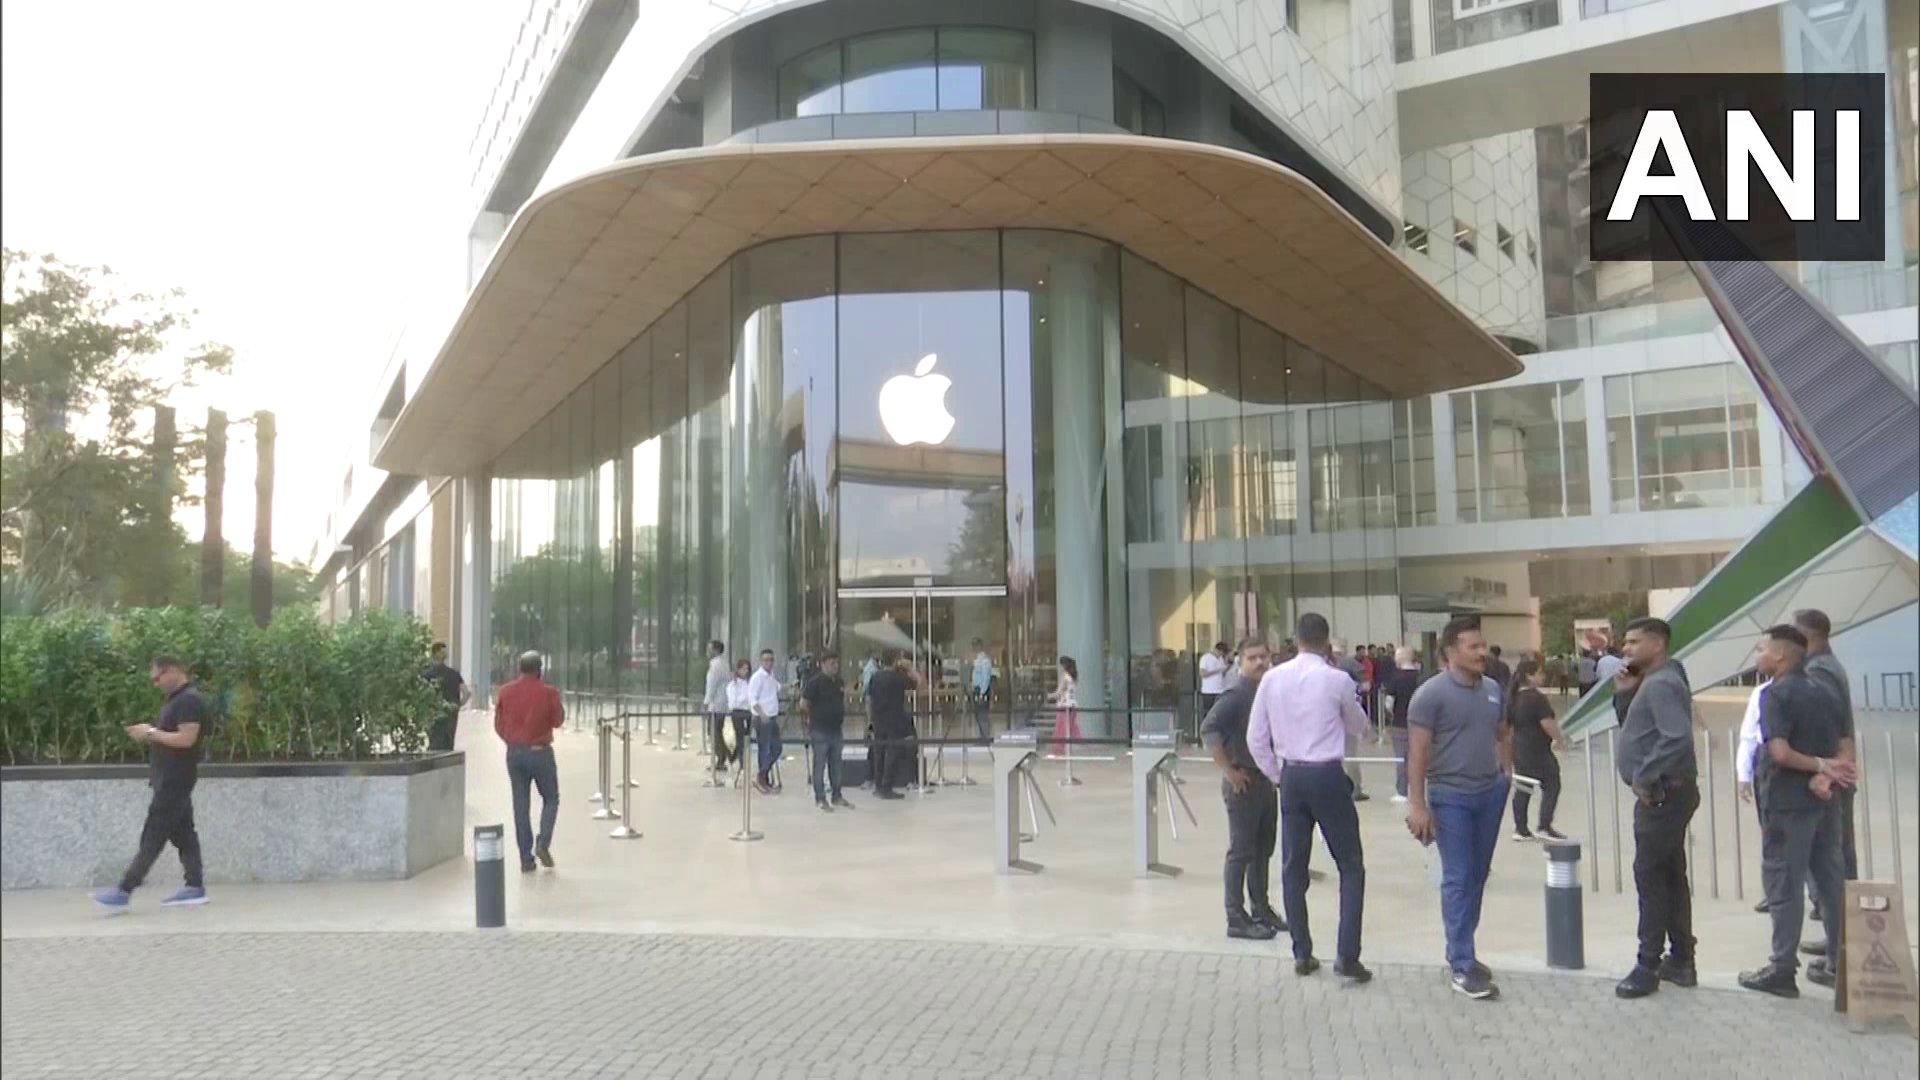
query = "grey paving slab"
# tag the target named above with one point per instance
(558, 1005)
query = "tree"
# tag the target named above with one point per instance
(82, 365)
(213, 544)
(263, 434)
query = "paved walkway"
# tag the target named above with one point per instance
(516, 1004)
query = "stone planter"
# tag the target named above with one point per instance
(67, 826)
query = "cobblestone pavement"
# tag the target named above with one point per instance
(586, 1005)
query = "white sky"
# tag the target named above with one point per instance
(297, 169)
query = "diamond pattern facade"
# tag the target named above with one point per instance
(1475, 208)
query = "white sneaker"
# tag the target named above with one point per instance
(1399, 798)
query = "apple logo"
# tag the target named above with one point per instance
(913, 408)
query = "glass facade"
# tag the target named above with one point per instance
(1029, 440)
(1683, 437)
(919, 70)
(1521, 452)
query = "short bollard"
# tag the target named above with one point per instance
(489, 876)
(1566, 928)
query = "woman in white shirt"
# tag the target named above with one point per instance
(739, 709)
(1744, 758)
(1213, 676)
(1066, 703)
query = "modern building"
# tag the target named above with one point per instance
(1102, 329)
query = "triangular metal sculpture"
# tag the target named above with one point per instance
(1857, 425)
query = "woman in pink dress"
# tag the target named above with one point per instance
(1066, 703)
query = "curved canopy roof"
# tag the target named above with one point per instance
(588, 266)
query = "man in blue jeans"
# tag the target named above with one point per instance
(526, 712)
(1459, 761)
(823, 705)
(763, 700)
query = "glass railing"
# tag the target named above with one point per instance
(1849, 290)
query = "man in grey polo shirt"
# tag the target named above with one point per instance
(1655, 757)
(1459, 759)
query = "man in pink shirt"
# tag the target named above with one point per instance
(1302, 716)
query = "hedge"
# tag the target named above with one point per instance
(296, 690)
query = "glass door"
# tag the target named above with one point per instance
(955, 638)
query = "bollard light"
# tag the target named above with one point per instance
(1566, 928)
(489, 876)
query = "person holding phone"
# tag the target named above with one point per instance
(173, 763)
(1655, 757)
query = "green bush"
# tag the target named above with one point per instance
(297, 690)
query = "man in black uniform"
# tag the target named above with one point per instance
(823, 707)
(173, 754)
(893, 749)
(453, 695)
(1253, 808)
(1800, 728)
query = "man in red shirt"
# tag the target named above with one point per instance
(525, 713)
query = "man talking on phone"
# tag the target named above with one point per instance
(1655, 758)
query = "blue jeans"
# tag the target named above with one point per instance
(533, 765)
(1310, 795)
(766, 732)
(1467, 828)
(827, 746)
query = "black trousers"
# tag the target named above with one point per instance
(1253, 827)
(440, 735)
(1800, 849)
(891, 757)
(1320, 795)
(169, 821)
(1544, 767)
(1660, 873)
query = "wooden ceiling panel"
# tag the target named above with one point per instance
(588, 266)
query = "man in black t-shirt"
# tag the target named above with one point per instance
(173, 756)
(823, 707)
(453, 694)
(1800, 728)
(893, 748)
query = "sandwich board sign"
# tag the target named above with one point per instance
(1876, 970)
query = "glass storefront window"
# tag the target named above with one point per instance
(918, 70)
(920, 454)
(1134, 108)
(1521, 452)
(1104, 461)
(1683, 438)
(1413, 462)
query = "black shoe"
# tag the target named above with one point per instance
(1482, 970)
(1762, 907)
(1819, 974)
(1771, 979)
(1678, 973)
(545, 855)
(888, 795)
(1305, 965)
(1271, 918)
(841, 803)
(823, 806)
(1553, 836)
(1475, 985)
(1352, 970)
(1816, 914)
(1640, 982)
(1361, 796)
(528, 866)
(1813, 948)
(1247, 930)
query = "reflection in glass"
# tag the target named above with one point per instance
(920, 454)
(810, 85)
(982, 68)
(891, 72)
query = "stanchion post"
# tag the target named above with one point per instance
(489, 876)
(1893, 804)
(1713, 817)
(1613, 801)
(746, 832)
(1739, 860)
(605, 812)
(625, 830)
(1865, 804)
(680, 736)
(1593, 820)
(1566, 920)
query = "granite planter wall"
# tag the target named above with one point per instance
(67, 826)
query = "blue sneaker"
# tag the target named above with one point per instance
(188, 896)
(115, 900)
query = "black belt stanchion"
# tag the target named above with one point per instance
(489, 876)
